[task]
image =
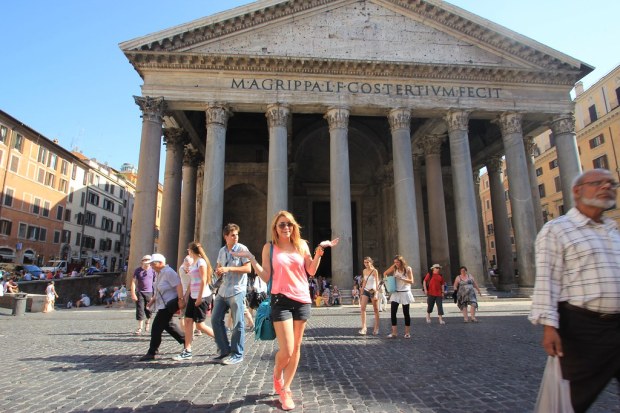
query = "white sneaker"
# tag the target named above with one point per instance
(185, 355)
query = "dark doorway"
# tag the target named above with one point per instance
(321, 230)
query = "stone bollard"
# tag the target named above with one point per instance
(19, 304)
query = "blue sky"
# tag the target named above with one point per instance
(63, 74)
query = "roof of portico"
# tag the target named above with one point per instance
(423, 39)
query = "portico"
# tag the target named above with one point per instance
(365, 119)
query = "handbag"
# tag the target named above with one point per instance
(263, 325)
(390, 284)
(554, 392)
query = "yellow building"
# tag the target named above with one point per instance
(597, 126)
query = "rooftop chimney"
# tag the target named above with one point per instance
(579, 88)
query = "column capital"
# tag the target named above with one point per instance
(530, 145)
(432, 144)
(564, 123)
(218, 113)
(476, 175)
(509, 123)
(152, 108)
(277, 115)
(457, 120)
(399, 118)
(337, 117)
(174, 136)
(494, 164)
(190, 156)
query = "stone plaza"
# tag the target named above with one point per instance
(86, 359)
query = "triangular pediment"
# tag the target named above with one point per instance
(355, 30)
(429, 33)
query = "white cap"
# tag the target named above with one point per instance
(146, 258)
(158, 258)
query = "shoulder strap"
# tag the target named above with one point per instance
(271, 268)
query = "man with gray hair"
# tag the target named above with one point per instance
(577, 291)
(167, 299)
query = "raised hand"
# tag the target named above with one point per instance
(332, 243)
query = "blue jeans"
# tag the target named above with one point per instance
(237, 340)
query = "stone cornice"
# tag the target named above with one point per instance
(142, 61)
(467, 26)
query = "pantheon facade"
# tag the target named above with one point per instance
(368, 119)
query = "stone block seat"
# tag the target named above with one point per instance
(35, 303)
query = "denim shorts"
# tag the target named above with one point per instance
(283, 308)
(369, 295)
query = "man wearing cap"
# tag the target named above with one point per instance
(142, 281)
(167, 289)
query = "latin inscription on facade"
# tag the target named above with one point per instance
(367, 88)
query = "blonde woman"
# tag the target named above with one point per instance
(198, 298)
(290, 294)
(370, 287)
(402, 295)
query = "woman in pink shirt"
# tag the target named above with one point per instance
(290, 294)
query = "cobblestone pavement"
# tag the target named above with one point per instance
(87, 360)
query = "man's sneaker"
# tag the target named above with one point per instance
(232, 360)
(147, 357)
(220, 357)
(185, 355)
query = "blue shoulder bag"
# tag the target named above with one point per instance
(263, 325)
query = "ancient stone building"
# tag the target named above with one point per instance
(368, 119)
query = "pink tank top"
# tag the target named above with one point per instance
(289, 276)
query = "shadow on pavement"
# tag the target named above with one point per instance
(184, 405)
(102, 363)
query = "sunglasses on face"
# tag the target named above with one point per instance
(283, 225)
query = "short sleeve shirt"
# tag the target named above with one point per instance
(144, 279)
(233, 282)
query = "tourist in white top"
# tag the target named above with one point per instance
(402, 295)
(198, 298)
(370, 286)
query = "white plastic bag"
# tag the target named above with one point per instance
(554, 393)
